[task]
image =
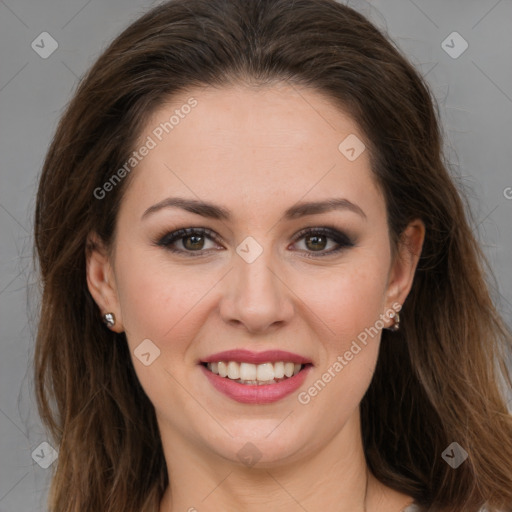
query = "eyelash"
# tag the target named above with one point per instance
(340, 238)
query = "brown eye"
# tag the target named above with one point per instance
(188, 241)
(317, 240)
(195, 242)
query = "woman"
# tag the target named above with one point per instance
(252, 197)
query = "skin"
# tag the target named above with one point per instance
(256, 152)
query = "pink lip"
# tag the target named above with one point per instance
(246, 356)
(254, 394)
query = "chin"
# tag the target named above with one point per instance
(261, 443)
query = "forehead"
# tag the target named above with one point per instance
(255, 147)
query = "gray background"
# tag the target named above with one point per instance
(474, 91)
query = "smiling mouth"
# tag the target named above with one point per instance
(255, 374)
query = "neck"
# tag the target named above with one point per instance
(331, 477)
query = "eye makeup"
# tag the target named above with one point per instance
(199, 235)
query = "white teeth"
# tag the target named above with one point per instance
(248, 373)
(279, 370)
(288, 369)
(223, 369)
(233, 370)
(265, 372)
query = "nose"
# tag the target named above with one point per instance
(256, 297)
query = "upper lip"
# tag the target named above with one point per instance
(247, 356)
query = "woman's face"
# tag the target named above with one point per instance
(263, 278)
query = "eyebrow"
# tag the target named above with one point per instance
(214, 211)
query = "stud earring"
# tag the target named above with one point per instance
(109, 319)
(396, 325)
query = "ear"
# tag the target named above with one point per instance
(404, 265)
(100, 280)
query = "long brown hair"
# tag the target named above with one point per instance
(436, 379)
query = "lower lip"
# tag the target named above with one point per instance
(256, 394)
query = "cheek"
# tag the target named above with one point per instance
(165, 305)
(159, 301)
(351, 306)
(347, 299)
